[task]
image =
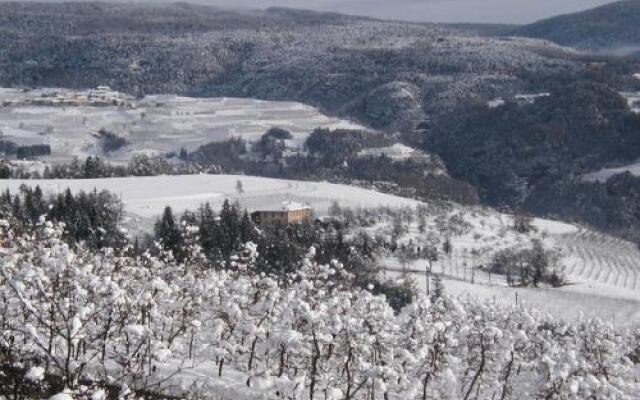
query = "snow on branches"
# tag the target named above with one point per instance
(179, 327)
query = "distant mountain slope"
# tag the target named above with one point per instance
(612, 28)
(387, 74)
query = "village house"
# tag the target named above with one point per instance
(102, 96)
(288, 213)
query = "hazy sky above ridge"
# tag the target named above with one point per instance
(488, 11)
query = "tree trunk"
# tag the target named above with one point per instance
(314, 366)
(251, 355)
(480, 370)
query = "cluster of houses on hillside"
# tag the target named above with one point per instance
(101, 96)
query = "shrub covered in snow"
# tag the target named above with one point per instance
(145, 322)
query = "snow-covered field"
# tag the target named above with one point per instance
(144, 198)
(604, 271)
(606, 173)
(158, 124)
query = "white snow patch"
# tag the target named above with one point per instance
(396, 152)
(495, 103)
(35, 374)
(633, 100)
(99, 394)
(606, 173)
(289, 206)
(530, 98)
(554, 227)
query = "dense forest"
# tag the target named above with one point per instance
(92, 219)
(96, 167)
(532, 156)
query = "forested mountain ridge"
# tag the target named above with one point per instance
(612, 28)
(508, 150)
(386, 74)
(415, 79)
(533, 156)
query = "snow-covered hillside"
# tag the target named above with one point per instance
(603, 271)
(156, 124)
(606, 173)
(144, 198)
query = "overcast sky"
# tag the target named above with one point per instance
(498, 11)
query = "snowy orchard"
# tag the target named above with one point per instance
(143, 323)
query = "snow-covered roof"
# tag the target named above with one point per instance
(495, 103)
(531, 97)
(289, 206)
(396, 152)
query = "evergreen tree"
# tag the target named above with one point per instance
(230, 228)
(183, 155)
(277, 254)
(167, 232)
(17, 207)
(247, 229)
(209, 232)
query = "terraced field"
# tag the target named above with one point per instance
(600, 258)
(159, 124)
(603, 271)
